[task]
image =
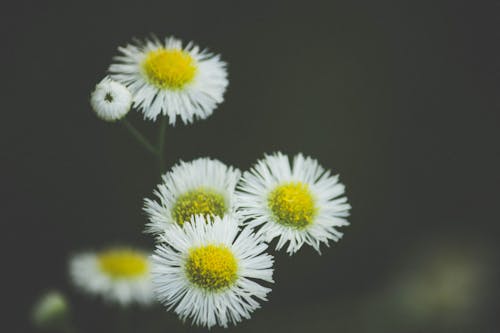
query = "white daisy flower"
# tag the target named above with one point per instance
(299, 203)
(167, 78)
(207, 271)
(201, 187)
(119, 275)
(110, 100)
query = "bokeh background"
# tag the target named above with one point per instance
(398, 97)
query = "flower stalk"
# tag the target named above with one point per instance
(140, 138)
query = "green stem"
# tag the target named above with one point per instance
(139, 137)
(161, 143)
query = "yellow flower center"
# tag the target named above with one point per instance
(169, 69)
(123, 263)
(211, 267)
(201, 201)
(292, 205)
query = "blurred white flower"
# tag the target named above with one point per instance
(298, 203)
(207, 272)
(110, 100)
(169, 79)
(120, 275)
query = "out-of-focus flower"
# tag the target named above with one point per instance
(299, 203)
(120, 275)
(167, 78)
(445, 284)
(110, 100)
(200, 187)
(50, 310)
(207, 272)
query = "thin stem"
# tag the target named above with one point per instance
(161, 143)
(139, 137)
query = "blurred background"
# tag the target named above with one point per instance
(398, 97)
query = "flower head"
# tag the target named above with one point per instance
(206, 271)
(120, 275)
(200, 187)
(167, 78)
(297, 203)
(110, 100)
(50, 310)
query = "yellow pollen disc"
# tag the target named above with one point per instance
(201, 201)
(292, 205)
(211, 267)
(169, 69)
(123, 263)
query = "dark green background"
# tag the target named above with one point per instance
(398, 97)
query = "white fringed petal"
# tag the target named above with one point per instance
(110, 100)
(203, 307)
(184, 177)
(197, 100)
(275, 170)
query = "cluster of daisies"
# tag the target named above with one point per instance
(161, 78)
(212, 224)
